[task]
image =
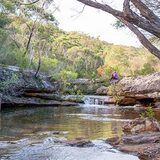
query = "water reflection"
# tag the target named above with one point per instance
(33, 127)
(89, 122)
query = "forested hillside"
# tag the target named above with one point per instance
(32, 43)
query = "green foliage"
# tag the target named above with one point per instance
(48, 64)
(118, 24)
(10, 82)
(147, 69)
(130, 61)
(64, 55)
(4, 20)
(65, 75)
(148, 113)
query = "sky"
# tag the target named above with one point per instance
(93, 22)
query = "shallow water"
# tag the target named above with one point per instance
(91, 122)
(27, 133)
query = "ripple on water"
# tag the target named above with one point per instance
(48, 150)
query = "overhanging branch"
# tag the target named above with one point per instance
(145, 42)
(146, 12)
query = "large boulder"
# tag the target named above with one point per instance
(102, 90)
(140, 125)
(141, 84)
(141, 89)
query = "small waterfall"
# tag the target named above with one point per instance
(95, 100)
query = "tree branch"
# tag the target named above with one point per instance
(132, 18)
(102, 7)
(146, 12)
(145, 42)
(135, 19)
(126, 9)
(30, 3)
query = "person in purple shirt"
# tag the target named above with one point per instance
(114, 77)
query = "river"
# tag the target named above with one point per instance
(29, 133)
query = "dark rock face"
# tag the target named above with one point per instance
(22, 88)
(142, 139)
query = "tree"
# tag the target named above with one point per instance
(32, 13)
(137, 15)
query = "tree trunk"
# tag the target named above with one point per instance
(39, 65)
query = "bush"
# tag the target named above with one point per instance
(65, 75)
(147, 69)
(148, 113)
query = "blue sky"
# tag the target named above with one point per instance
(93, 22)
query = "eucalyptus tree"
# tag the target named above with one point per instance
(25, 34)
(137, 15)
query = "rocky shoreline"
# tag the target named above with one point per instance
(141, 137)
(21, 88)
(143, 90)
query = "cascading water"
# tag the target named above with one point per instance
(95, 100)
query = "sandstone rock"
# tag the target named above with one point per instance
(102, 90)
(73, 98)
(110, 100)
(148, 151)
(141, 125)
(144, 89)
(141, 84)
(144, 145)
(127, 101)
(22, 101)
(141, 138)
(114, 140)
(80, 142)
(47, 96)
(157, 104)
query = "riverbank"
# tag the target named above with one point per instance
(21, 88)
(141, 137)
(35, 132)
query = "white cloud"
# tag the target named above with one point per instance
(93, 22)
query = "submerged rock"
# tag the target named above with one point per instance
(80, 142)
